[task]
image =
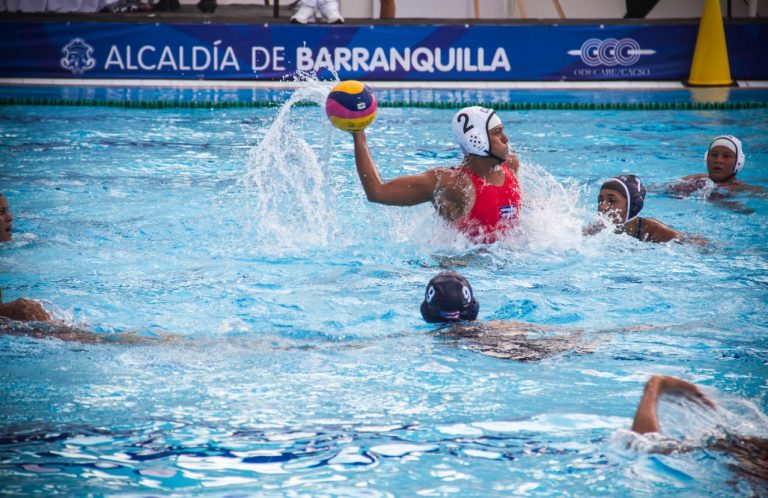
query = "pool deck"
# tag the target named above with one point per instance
(260, 14)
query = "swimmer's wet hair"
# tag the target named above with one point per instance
(449, 298)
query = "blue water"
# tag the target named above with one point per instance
(304, 368)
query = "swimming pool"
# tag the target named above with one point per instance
(305, 368)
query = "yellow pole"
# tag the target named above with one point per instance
(710, 65)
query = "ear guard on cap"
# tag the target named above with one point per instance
(470, 126)
(732, 143)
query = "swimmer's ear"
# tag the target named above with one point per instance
(471, 310)
(427, 314)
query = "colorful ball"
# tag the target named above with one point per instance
(351, 106)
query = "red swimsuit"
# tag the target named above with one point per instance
(495, 208)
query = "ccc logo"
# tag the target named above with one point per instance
(610, 52)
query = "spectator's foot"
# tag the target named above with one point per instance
(207, 6)
(167, 6)
(304, 15)
(329, 9)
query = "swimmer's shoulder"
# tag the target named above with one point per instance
(452, 178)
(24, 309)
(656, 231)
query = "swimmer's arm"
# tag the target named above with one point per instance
(755, 189)
(593, 228)
(38, 329)
(646, 417)
(663, 233)
(659, 232)
(687, 184)
(694, 239)
(695, 176)
(404, 191)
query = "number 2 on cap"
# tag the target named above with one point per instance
(467, 126)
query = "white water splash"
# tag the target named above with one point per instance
(685, 420)
(682, 418)
(551, 221)
(290, 201)
(553, 216)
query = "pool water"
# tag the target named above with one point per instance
(304, 368)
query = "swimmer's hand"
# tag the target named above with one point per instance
(646, 418)
(593, 229)
(690, 184)
(673, 385)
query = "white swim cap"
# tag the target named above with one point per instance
(732, 143)
(471, 125)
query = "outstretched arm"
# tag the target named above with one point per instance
(646, 417)
(404, 191)
(659, 232)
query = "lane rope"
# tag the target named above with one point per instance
(498, 106)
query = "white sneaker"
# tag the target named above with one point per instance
(305, 14)
(330, 11)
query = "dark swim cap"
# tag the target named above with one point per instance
(449, 298)
(631, 188)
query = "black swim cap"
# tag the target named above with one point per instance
(449, 298)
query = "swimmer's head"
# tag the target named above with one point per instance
(449, 298)
(724, 158)
(6, 220)
(471, 126)
(632, 197)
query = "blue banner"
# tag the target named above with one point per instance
(397, 53)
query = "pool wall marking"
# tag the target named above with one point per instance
(454, 52)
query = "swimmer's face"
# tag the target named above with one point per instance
(721, 161)
(612, 205)
(499, 141)
(6, 220)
